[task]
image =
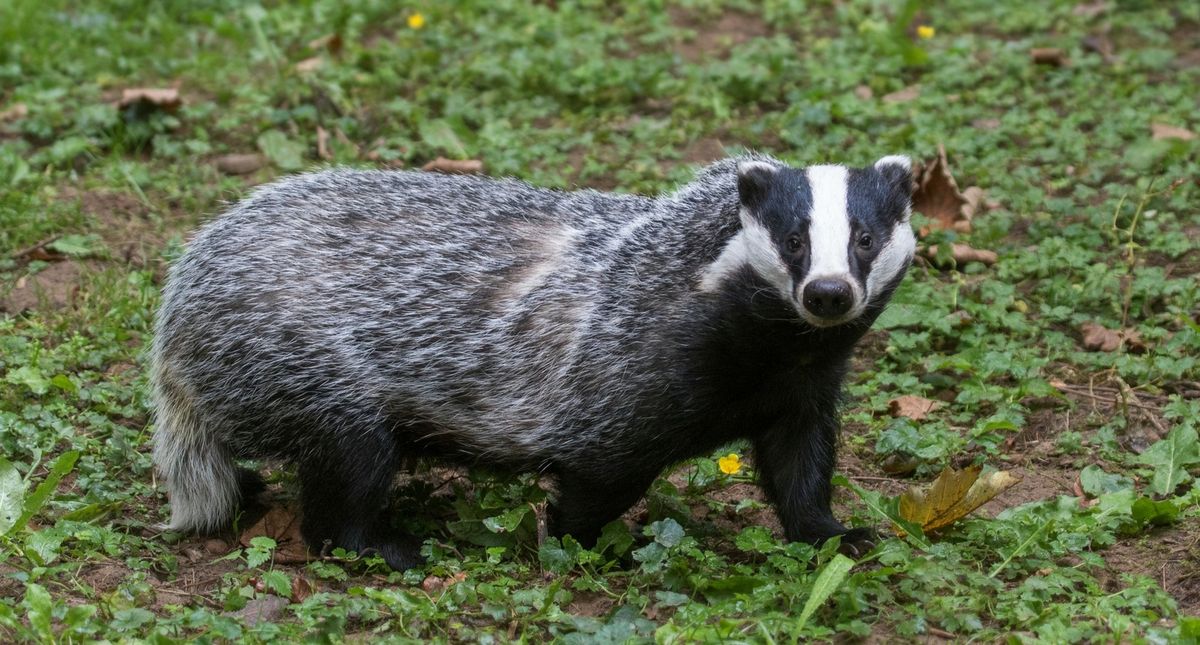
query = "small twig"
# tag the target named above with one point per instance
(941, 633)
(36, 247)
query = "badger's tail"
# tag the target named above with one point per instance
(203, 480)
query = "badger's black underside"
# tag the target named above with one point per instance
(747, 369)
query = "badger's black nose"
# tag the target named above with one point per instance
(828, 298)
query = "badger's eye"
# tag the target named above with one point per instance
(865, 242)
(794, 244)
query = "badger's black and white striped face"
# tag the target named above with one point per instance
(830, 239)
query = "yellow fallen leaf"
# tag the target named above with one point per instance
(952, 496)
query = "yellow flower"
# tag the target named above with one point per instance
(416, 21)
(925, 32)
(730, 464)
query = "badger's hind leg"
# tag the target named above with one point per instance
(344, 489)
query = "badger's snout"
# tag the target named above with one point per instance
(828, 298)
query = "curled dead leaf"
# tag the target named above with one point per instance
(1049, 56)
(455, 166)
(309, 65)
(302, 588)
(14, 112)
(1098, 338)
(323, 144)
(952, 496)
(166, 98)
(331, 42)
(903, 96)
(961, 254)
(974, 200)
(1159, 131)
(937, 195)
(1102, 45)
(240, 164)
(912, 407)
(283, 526)
(434, 584)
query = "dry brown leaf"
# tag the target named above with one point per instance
(302, 588)
(1160, 131)
(1101, 44)
(331, 42)
(952, 496)
(913, 407)
(16, 111)
(937, 195)
(454, 166)
(166, 98)
(864, 92)
(434, 584)
(962, 254)
(240, 164)
(309, 65)
(323, 144)
(283, 526)
(1097, 338)
(1051, 56)
(974, 199)
(903, 96)
(986, 124)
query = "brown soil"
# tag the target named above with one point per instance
(716, 37)
(54, 287)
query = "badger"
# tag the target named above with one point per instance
(348, 321)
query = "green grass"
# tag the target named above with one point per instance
(1095, 221)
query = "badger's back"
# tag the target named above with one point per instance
(448, 306)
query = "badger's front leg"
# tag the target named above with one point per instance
(795, 460)
(588, 498)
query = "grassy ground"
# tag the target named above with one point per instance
(1094, 220)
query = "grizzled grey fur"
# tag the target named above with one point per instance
(346, 320)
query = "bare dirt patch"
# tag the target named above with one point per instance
(1169, 556)
(54, 287)
(123, 222)
(716, 37)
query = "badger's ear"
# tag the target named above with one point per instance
(754, 179)
(897, 173)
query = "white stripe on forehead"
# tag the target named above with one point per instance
(829, 228)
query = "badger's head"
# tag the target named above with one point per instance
(831, 240)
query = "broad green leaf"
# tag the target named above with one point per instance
(667, 532)
(1170, 458)
(615, 535)
(12, 495)
(40, 606)
(832, 575)
(77, 245)
(283, 152)
(1095, 482)
(1148, 511)
(553, 557)
(506, 522)
(63, 465)
(29, 376)
(132, 618)
(278, 582)
(439, 134)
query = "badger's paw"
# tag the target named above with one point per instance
(858, 542)
(401, 553)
